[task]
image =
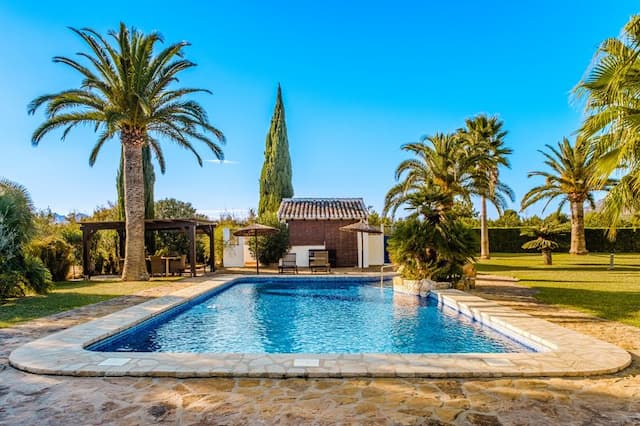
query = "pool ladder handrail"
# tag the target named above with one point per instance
(390, 265)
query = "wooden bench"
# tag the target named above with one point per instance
(319, 261)
(288, 262)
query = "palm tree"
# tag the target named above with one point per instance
(544, 240)
(573, 178)
(485, 135)
(441, 164)
(127, 92)
(611, 87)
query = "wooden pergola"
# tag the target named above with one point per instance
(190, 227)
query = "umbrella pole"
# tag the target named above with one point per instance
(361, 250)
(257, 255)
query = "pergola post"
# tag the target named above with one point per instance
(212, 246)
(86, 236)
(192, 247)
(121, 242)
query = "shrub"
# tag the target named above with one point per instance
(509, 240)
(55, 253)
(37, 276)
(19, 271)
(431, 250)
(272, 247)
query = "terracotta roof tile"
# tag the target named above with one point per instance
(323, 209)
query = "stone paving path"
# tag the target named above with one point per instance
(27, 399)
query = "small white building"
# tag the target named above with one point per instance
(314, 224)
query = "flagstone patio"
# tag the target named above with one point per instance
(33, 399)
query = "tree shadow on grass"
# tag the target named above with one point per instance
(484, 268)
(29, 308)
(613, 305)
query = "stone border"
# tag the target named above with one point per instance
(562, 352)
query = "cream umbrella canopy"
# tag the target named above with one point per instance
(361, 228)
(255, 230)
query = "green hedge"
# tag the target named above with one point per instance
(508, 240)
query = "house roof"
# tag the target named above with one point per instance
(322, 209)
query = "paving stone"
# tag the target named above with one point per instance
(28, 399)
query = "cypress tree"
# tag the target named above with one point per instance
(275, 178)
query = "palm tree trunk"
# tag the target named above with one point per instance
(578, 241)
(135, 268)
(546, 257)
(484, 230)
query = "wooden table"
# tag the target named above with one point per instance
(166, 265)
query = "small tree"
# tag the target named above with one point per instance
(271, 247)
(544, 239)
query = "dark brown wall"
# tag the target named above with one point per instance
(318, 232)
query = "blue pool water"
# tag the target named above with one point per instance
(289, 315)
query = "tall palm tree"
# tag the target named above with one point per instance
(486, 136)
(442, 164)
(573, 178)
(611, 88)
(126, 92)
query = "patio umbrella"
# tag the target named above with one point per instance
(361, 228)
(255, 230)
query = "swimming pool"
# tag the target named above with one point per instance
(559, 351)
(310, 315)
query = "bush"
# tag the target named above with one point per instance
(425, 250)
(509, 240)
(55, 253)
(19, 271)
(272, 247)
(38, 277)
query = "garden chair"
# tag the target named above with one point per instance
(319, 261)
(157, 265)
(288, 263)
(178, 266)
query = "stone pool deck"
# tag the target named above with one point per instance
(560, 351)
(30, 399)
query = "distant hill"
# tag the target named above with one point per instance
(58, 218)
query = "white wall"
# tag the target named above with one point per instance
(302, 254)
(237, 254)
(375, 249)
(234, 249)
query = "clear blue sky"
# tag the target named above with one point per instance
(358, 81)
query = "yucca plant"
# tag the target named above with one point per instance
(127, 92)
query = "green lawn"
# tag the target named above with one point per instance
(578, 282)
(68, 295)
